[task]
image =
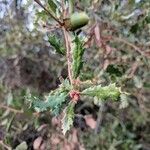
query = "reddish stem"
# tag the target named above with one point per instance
(68, 54)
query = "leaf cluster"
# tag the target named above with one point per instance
(57, 99)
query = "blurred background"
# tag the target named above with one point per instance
(119, 51)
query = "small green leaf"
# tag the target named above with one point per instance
(55, 42)
(65, 85)
(52, 6)
(68, 118)
(41, 15)
(78, 52)
(103, 93)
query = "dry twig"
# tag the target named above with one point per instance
(131, 45)
(5, 146)
(11, 109)
(100, 118)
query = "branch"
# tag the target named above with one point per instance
(5, 146)
(131, 45)
(68, 48)
(11, 109)
(16, 110)
(100, 118)
(51, 15)
(64, 11)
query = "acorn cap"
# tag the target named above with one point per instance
(76, 21)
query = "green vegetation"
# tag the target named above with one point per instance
(74, 70)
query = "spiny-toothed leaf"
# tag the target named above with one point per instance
(68, 118)
(56, 103)
(65, 85)
(55, 42)
(53, 102)
(103, 93)
(78, 52)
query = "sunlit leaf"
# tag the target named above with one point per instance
(103, 93)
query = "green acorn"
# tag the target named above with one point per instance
(76, 21)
